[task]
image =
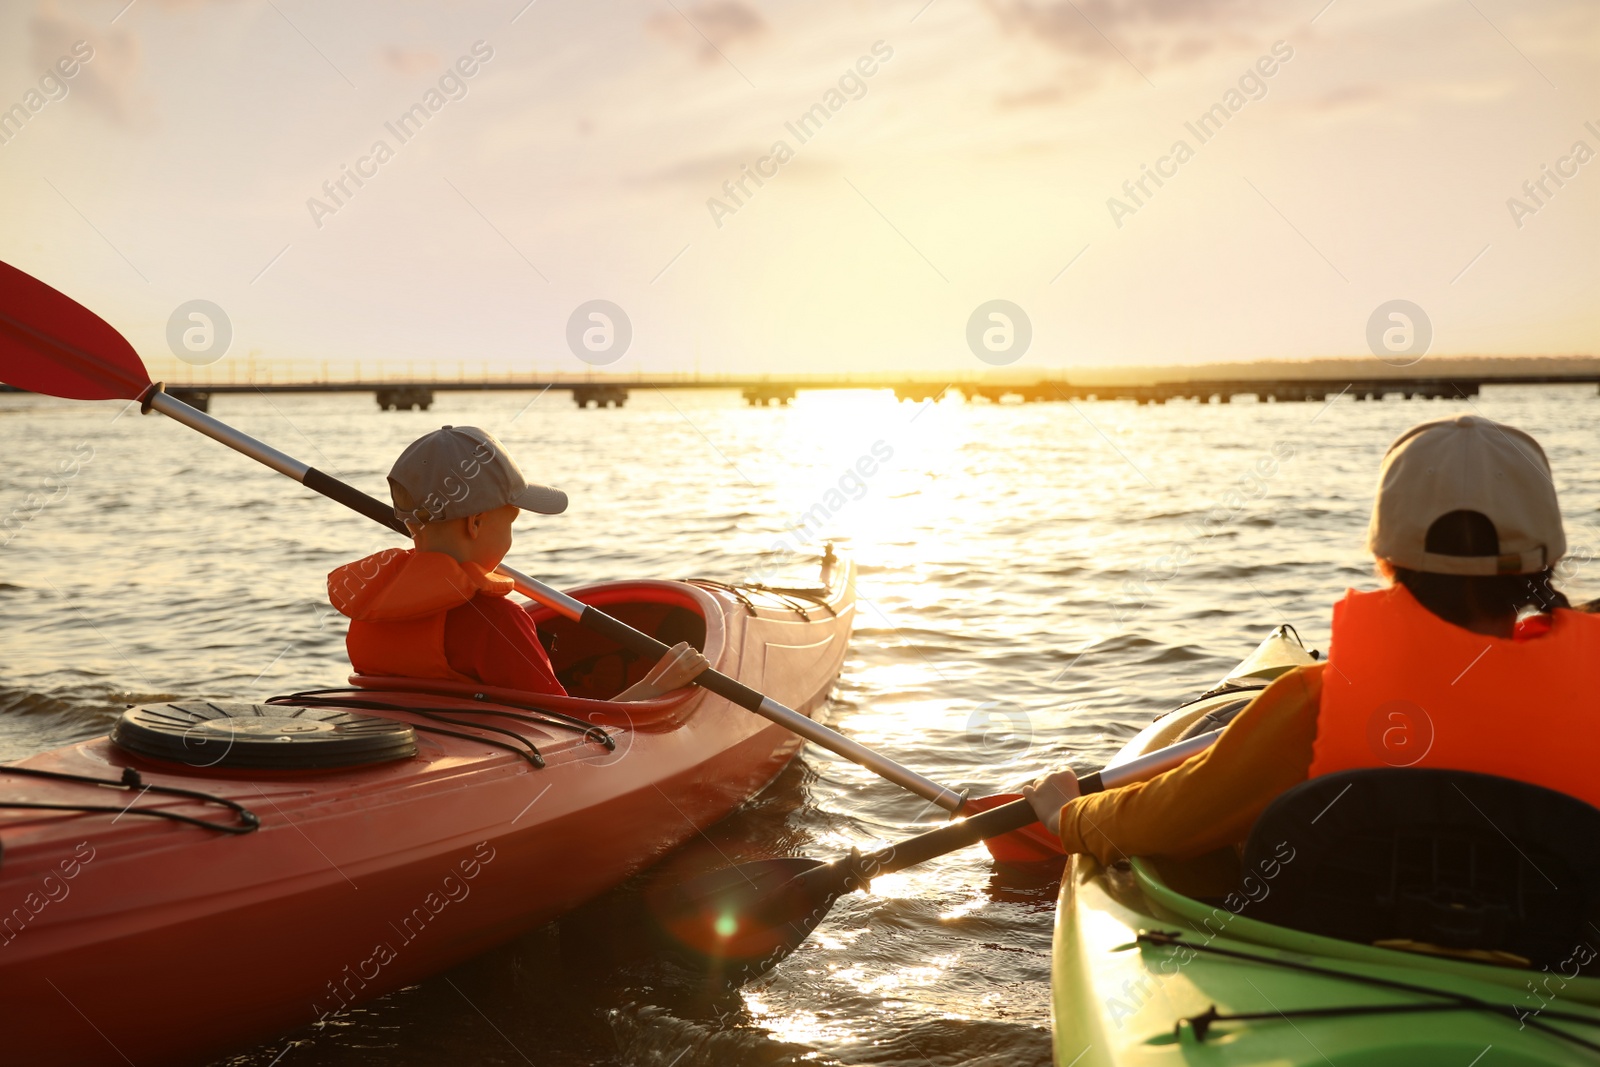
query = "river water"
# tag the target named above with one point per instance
(1036, 583)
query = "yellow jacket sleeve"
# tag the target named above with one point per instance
(1212, 799)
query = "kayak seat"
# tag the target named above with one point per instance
(592, 666)
(1447, 862)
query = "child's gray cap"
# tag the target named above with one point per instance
(457, 471)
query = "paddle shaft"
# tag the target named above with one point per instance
(586, 615)
(1019, 813)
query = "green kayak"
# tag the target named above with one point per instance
(1144, 975)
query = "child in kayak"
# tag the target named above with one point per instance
(439, 610)
(1466, 531)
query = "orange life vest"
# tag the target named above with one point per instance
(1404, 688)
(397, 601)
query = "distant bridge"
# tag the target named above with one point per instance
(417, 393)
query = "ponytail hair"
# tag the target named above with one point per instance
(1462, 599)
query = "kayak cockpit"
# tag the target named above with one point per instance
(591, 667)
(730, 624)
(1414, 865)
(1447, 944)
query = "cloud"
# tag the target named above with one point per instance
(1147, 33)
(709, 28)
(1042, 96)
(700, 170)
(108, 81)
(1404, 101)
(1065, 88)
(712, 169)
(1347, 97)
(418, 62)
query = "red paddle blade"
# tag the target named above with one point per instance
(1030, 846)
(51, 344)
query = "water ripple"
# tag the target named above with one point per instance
(1027, 599)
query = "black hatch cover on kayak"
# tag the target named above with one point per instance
(203, 733)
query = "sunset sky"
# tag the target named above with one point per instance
(586, 154)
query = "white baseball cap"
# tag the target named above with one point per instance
(1467, 463)
(457, 471)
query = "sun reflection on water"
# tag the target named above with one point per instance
(899, 978)
(966, 907)
(801, 1027)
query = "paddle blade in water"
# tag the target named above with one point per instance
(1032, 846)
(50, 343)
(740, 921)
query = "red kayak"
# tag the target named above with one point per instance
(331, 846)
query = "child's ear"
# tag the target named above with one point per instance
(473, 526)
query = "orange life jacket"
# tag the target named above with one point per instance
(1404, 688)
(397, 600)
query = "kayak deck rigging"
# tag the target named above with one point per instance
(1200, 1025)
(818, 598)
(351, 697)
(519, 744)
(249, 822)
